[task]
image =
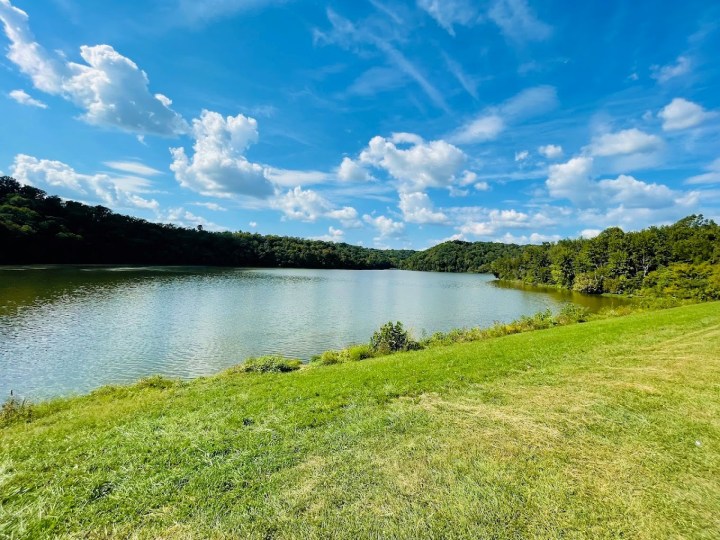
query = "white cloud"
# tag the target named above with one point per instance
(23, 98)
(346, 215)
(551, 151)
(589, 233)
(534, 238)
(663, 74)
(628, 141)
(110, 88)
(522, 155)
(570, 180)
(633, 193)
(350, 171)
(491, 222)
(481, 129)
(333, 235)
(184, 218)
(386, 227)
(416, 164)
(218, 167)
(710, 177)
(253, 224)
(448, 13)
(573, 180)
(490, 123)
(376, 80)
(292, 177)
(682, 114)
(56, 176)
(518, 22)
(309, 205)
(303, 205)
(132, 167)
(418, 208)
(211, 206)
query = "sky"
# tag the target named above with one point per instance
(383, 123)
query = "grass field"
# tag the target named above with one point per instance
(609, 429)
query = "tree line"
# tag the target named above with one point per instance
(38, 228)
(681, 260)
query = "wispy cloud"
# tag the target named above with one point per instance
(23, 98)
(374, 34)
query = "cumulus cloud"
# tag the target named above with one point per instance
(308, 205)
(333, 235)
(448, 13)
(418, 208)
(522, 155)
(23, 98)
(570, 180)
(663, 74)
(386, 227)
(589, 233)
(573, 180)
(218, 166)
(58, 177)
(351, 171)
(111, 89)
(633, 193)
(518, 22)
(551, 151)
(491, 223)
(184, 218)
(628, 141)
(682, 114)
(413, 162)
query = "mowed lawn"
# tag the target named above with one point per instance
(608, 429)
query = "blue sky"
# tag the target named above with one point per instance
(388, 123)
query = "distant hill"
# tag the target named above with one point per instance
(459, 256)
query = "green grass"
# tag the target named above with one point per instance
(607, 429)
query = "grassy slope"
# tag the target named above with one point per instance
(583, 431)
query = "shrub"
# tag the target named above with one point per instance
(328, 358)
(572, 313)
(157, 381)
(359, 352)
(392, 338)
(15, 410)
(270, 364)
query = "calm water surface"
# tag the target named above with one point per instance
(66, 330)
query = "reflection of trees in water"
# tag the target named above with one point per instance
(592, 302)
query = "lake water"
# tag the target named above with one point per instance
(66, 330)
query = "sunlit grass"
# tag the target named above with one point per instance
(607, 429)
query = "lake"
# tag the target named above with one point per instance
(70, 329)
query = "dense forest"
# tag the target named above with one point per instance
(681, 260)
(37, 228)
(458, 256)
